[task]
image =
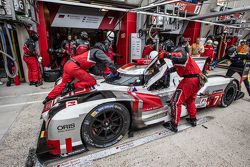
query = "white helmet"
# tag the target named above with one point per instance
(153, 54)
(110, 35)
(216, 43)
(209, 42)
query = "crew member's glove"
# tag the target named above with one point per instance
(170, 70)
(164, 54)
(40, 59)
(47, 99)
(112, 76)
(161, 55)
(69, 87)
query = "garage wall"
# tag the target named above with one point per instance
(22, 36)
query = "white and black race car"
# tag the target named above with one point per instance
(138, 98)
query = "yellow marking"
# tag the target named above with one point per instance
(42, 134)
(94, 114)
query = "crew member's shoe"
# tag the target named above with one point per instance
(38, 83)
(32, 83)
(47, 99)
(171, 126)
(8, 83)
(192, 121)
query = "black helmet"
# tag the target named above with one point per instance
(34, 36)
(182, 41)
(211, 37)
(231, 50)
(101, 46)
(84, 35)
(168, 45)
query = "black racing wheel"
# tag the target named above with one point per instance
(229, 94)
(105, 125)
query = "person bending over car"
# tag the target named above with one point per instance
(187, 89)
(76, 68)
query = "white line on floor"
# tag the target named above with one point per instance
(29, 94)
(18, 104)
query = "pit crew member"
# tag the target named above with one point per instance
(242, 48)
(239, 64)
(68, 47)
(148, 48)
(208, 53)
(187, 89)
(82, 44)
(31, 58)
(109, 49)
(185, 44)
(76, 68)
(197, 48)
(109, 45)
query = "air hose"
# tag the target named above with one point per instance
(155, 39)
(4, 53)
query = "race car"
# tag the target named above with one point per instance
(138, 98)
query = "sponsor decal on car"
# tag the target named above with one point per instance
(214, 99)
(104, 107)
(93, 114)
(64, 128)
(204, 101)
(71, 103)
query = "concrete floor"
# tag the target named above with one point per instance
(226, 141)
(20, 109)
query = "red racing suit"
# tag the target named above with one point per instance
(30, 58)
(187, 89)
(69, 47)
(209, 54)
(82, 46)
(76, 68)
(146, 50)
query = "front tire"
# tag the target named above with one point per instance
(105, 125)
(229, 94)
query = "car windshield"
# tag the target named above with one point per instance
(127, 80)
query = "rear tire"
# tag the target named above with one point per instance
(229, 94)
(105, 125)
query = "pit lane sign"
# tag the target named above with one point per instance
(19, 6)
(78, 17)
(190, 8)
(5, 9)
